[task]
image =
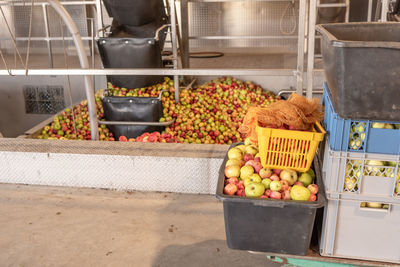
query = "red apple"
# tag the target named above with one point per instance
(313, 188)
(299, 183)
(230, 189)
(122, 139)
(232, 180)
(286, 195)
(275, 195)
(248, 157)
(268, 192)
(274, 177)
(312, 197)
(264, 196)
(265, 173)
(285, 185)
(277, 171)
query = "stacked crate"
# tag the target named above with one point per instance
(361, 169)
(361, 175)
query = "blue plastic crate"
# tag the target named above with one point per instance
(359, 135)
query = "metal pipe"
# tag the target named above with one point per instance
(145, 123)
(311, 47)
(385, 10)
(300, 46)
(225, 37)
(160, 72)
(369, 10)
(347, 14)
(46, 26)
(86, 38)
(38, 3)
(99, 17)
(84, 65)
(185, 33)
(174, 46)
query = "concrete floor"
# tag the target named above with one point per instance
(52, 226)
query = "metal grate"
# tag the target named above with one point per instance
(44, 99)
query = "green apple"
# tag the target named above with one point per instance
(355, 144)
(266, 182)
(289, 175)
(311, 172)
(246, 171)
(235, 153)
(299, 192)
(350, 184)
(397, 126)
(391, 163)
(378, 125)
(247, 141)
(374, 170)
(306, 179)
(375, 205)
(251, 150)
(385, 206)
(275, 186)
(254, 178)
(254, 190)
(397, 188)
(233, 162)
(242, 148)
(388, 126)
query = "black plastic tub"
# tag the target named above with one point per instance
(133, 12)
(362, 69)
(132, 109)
(269, 225)
(131, 53)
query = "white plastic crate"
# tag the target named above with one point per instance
(352, 231)
(360, 176)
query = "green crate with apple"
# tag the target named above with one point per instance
(260, 202)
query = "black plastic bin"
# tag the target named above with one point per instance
(362, 69)
(131, 53)
(133, 12)
(132, 109)
(269, 225)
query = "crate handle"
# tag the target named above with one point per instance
(270, 203)
(374, 209)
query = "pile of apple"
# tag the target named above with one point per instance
(208, 114)
(245, 176)
(73, 123)
(154, 137)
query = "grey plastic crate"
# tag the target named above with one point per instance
(350, 175)
(351, 231)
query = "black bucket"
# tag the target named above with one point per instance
(134, 12)
(132, 109)
(131, 53)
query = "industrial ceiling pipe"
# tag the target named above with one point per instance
(58, 7)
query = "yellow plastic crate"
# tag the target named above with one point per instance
(288, 149)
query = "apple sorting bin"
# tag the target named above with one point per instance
(361, 63)
(269, 225)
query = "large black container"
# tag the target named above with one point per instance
(269, 225)
(136, 109)
(134, 12)
(362, 69)
(131, 53)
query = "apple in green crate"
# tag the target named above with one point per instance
(305, 178)
(266, 182)
(289, 175)
(254, 190)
